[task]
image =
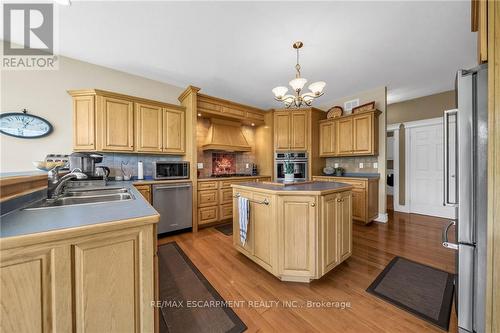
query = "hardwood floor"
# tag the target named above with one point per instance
(236, 278)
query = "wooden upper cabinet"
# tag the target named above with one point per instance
(174, 136)
(149, 128)
(344, 137)
(298, 130)
(117, 124)
(107, 121)
(84, 123)
(363, 134)
(282, 130)
(328, 139)
(350, 135)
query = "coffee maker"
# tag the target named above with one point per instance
(86, 163)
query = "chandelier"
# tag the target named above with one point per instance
(298, 98)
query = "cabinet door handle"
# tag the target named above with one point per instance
(313, 204)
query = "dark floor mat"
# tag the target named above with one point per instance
(422, 290)
(226, 229)
(189, 302)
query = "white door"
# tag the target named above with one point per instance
(425, 167)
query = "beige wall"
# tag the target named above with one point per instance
(379, 95)
(426, 107)
(43, 93)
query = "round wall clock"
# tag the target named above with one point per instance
(24, 125)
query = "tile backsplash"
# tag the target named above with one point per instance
(351, 164)
(114, 162)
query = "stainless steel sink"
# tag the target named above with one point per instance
(82, 197)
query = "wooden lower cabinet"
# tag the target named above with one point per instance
(145, 191)
(100, 282)
(364, 196)
(215, 199)
(296, 237)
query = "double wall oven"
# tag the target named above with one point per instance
(299, 161)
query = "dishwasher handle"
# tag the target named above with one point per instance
(161, 188)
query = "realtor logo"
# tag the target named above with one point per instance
(28, 29)
(28, 36)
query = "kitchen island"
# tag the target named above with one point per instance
(296, 232)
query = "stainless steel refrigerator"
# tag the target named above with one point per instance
(465, 187)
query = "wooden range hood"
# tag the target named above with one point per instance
(226, 135)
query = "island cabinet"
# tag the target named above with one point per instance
(111, 122)
(215, 198)
(364, 195)
(295, 235)
(95, 279)
(351, 135)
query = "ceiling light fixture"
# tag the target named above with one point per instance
(298, 84)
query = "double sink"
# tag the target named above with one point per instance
(80, 196)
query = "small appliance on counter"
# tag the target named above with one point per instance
(171, 170)
(86, 163)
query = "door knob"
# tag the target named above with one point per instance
(313, 204)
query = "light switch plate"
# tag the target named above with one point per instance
(361, 165)
(375, 165)
(336, 165)
(200, 165)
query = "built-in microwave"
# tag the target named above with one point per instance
(171, 170)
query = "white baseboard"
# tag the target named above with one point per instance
(382, 217)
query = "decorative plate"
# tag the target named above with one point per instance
(335, 112)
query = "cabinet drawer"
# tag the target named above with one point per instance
(265, 179)
(226, 211)
(207, 198)
(226, 195)
(207, 186)
(354, 183)
(207, 215)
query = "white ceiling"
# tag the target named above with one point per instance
(241, 50)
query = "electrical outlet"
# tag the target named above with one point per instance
(375, 165)
(336, 165)
(247, 166)
(361, 165)
(200, 165)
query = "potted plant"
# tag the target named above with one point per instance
(289, 176)
(339, 171)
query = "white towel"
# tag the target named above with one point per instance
(244, 217)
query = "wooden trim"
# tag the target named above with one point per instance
(61, 235)
(474, 15)
(226, 101)
(110, 94)
(13, 187)
(376, 112)
(493, 264)
(189, 100)
(482, 38)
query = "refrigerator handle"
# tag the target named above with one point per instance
(444, 237)
(446, 159)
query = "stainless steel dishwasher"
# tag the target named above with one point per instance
(174, 203)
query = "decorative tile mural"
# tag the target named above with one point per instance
(223, 163)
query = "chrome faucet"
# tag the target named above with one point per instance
(56, 184)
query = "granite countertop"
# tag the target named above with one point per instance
(354, 175)
(24, 222)
(235, 177)
(309, 187)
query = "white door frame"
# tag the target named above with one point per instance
(397, 207)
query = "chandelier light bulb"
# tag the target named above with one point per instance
(298, 83)
(317, 87)
(279, 92)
